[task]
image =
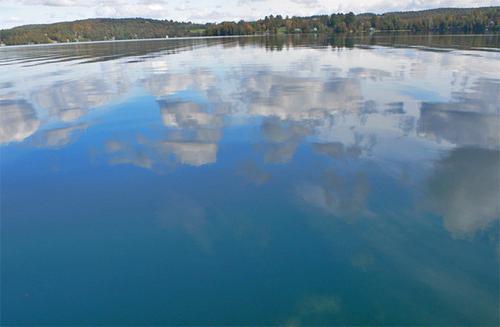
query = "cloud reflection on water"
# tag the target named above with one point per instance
(18, 120)
(341, 107)
(464, 188)
(334, 174)
(471, 119)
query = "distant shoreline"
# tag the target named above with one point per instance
(479, 20)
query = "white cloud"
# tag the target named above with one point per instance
(12, 19)
(54, 3)
(143, 8)
(307, 3)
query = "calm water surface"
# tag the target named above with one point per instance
(251, 181)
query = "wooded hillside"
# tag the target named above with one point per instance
(444, 20)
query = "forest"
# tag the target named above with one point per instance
(443, 20)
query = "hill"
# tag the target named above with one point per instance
(96, 30)
(442, 20)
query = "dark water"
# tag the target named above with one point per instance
(251, 181)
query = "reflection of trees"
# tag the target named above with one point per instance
(464, 188)
(99, 52)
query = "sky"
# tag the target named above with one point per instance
(21, 12)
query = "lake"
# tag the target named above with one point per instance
(293, 180)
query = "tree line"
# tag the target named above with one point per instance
(444, 20)
(453, 20)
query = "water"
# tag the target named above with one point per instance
(301, 180)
